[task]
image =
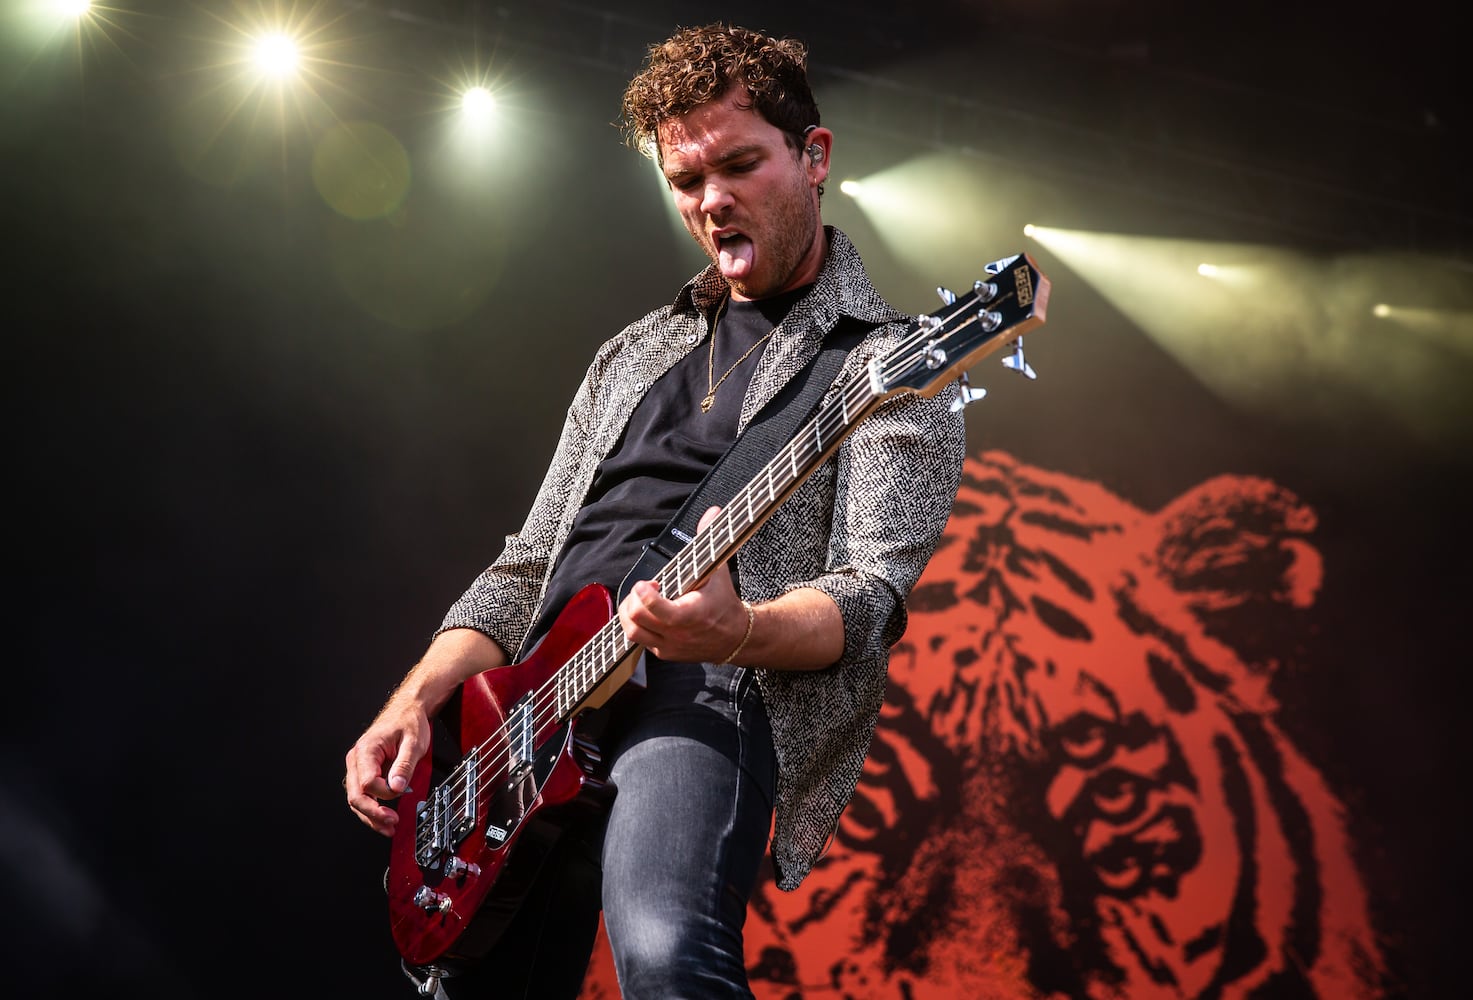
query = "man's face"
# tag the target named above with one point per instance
(746, 197)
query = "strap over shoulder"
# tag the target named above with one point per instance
(772, 428)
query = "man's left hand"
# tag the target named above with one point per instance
(703, 625)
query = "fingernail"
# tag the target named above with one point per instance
(398, 784)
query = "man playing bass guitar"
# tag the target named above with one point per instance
(762, 686)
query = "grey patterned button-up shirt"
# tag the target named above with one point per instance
(860, 529)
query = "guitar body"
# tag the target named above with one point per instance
(457, 873)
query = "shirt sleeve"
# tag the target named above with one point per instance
(502, 602)
(883, 504)
(896, 478)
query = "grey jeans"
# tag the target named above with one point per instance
(673, 863)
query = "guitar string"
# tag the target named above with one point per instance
(543, 708)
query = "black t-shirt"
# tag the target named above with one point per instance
(666, 450)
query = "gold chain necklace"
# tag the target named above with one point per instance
(712, 382)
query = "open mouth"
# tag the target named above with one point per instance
(734, 253)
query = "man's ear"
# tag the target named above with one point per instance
(818, 147)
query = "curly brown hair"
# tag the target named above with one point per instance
(697, 65)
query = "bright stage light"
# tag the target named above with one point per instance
(1381, 310)
(1030, 230)
(852, 188)
(474, 125)
(1208, 270)
(479, 103)
(265, 69)
(276, 55)
(91, 29)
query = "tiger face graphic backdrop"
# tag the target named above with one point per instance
(1079, 787)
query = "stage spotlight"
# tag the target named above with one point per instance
(478, 109)
(852, 188)
(91, 28)
(477, 100)
(1030, 230)
(1381, 310)
(264, 70)
(276, 55)
(1208, 270)
(474, 121)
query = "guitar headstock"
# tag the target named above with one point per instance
(999, 309)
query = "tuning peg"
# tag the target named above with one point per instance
(948, 297)
(1017, 362)
(986, 290)
(968, 395)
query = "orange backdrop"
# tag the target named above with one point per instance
(1080, 786)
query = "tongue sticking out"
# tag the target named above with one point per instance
(735, 257)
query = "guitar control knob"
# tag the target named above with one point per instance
(455, 868)
(430, 901)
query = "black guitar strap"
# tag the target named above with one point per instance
(772, 428)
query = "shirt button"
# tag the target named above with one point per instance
(639, 387)
(692, 337)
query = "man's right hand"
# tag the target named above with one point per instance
(381, 763)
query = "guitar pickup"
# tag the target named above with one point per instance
(520, 736)
(467, 798)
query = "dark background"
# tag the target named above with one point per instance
(242, 497)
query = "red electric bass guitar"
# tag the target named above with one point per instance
(508, 764)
